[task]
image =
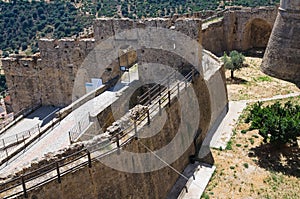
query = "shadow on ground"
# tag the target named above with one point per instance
(285, 159)
(236, 80)
(44, 113)
(255, 52)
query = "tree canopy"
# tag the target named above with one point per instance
(22, 22)
(234, 62)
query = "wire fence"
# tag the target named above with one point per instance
(10, 143)
(80, 126)
(84, 157)
(16, 138)
(23, 184)
(12, 117)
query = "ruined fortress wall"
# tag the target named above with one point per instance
(102, 181)
(60, 61)
(23, 79)
(48, 79)
(281, 59)
(241, 29)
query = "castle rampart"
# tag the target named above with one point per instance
(239, 29)
(53, 75)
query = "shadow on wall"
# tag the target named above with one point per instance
(256, 34)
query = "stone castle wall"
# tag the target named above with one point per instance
(47, 79)
(102, 181)
(52, 76)
(240, 29)
(282, 56)
(24, 81)
(208, 92)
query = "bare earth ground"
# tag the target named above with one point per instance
(251, 83)
(248, 169)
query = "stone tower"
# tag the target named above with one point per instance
(282, 56)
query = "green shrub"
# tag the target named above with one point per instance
(277, 124)
(229, 145)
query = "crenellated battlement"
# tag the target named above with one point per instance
(59, 59)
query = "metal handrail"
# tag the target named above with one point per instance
(115, 139)
(166, 80)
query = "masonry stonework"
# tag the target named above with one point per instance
(239, 29)
(282, 55)
(53, 73)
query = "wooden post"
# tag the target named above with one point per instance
(118, 141)
(3, 143)
(159, 105)
(148, 116)
(58, 172)
(23, 139)
(169, 97)
(138, 100)
(159, 89)
(79, 127)
(17, 137)
(193, 74)
(70, 138)
(149, 96)
(89, 159)
(185, 82)
(24, 187)
(178, 89)
(186, 189)
(90, 118)
(135, 130)
(6, 152)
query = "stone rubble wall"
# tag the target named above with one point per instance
(236, 31)
(105, 182)
(50, 78)
(24, 82)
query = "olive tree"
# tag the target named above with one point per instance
(235, 61)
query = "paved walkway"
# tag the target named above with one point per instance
(40, 116)
(58, 138)
(224, 131)
(220, 138)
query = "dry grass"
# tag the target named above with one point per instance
(251, 83)
(248, 168)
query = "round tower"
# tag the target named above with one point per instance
(282, 56)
